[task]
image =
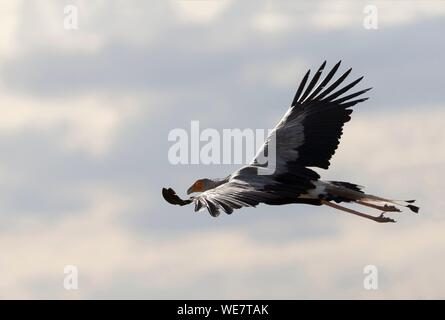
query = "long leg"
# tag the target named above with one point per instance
(381, 218)
(386, 208)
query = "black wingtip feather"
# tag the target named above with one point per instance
(413, 208)
(343, 90)
(351, 96)
(313, 82)
(333, 86)
(301, 87)
(198, 206)
(323, 83)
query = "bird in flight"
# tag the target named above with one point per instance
(307, 136)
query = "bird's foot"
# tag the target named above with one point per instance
(390, 208)
(383, 219)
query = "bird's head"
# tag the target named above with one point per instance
(201, 185)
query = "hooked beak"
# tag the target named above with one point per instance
(190, 190)
(196, 187)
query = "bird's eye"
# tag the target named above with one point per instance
(199, 184)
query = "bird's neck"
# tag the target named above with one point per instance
(218, 182)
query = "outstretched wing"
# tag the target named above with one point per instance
(229, 196)
(310, 131)
(246, 188)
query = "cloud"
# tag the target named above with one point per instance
(331, 15)
(241, 260)
(86, 123)
(278, 18)
(9, 16)
(405, 12)
(273, 74)
(336, 15)
(198, 11)
(271, 22)
(399, 152)
(85, 118)
(100, 24)
(109, 256)
(397, 138)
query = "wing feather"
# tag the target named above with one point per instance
(325, 81)
(313, 81)
(333, 86)
(309, 133)
(301, 87)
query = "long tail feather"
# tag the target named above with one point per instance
(351, 192)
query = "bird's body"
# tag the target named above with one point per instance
(307, 136)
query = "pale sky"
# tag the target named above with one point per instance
(84, 151)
